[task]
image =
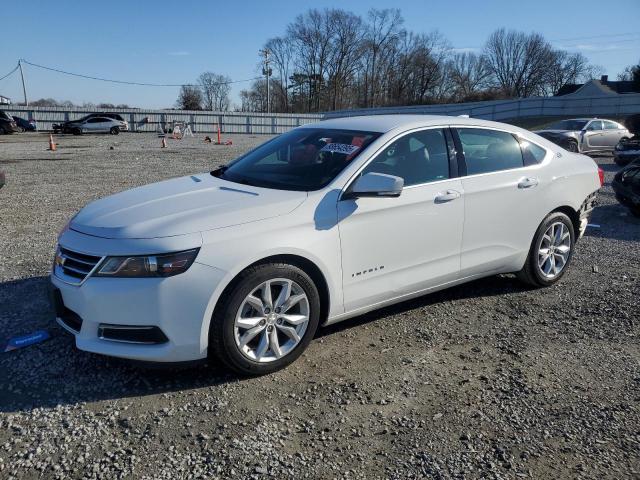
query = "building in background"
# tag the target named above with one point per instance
(599, 87)
(5, 100)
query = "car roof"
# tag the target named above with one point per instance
(386, 123)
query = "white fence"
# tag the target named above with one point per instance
(510, 110)
(617, 106)
(148, 120)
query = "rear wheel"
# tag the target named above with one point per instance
(551, 251)
(266, 320)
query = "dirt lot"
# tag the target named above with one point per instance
(485, 380)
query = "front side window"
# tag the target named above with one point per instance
(595, 125)
(418, 157)
(303, 159)
(489, 150)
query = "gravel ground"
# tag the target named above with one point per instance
(485, 380)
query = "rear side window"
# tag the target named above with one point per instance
(489, 150)
(418, 157)
(595, 125)
(531, 153)
(610, 125)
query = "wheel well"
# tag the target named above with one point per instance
(304, 264)
(573, 215)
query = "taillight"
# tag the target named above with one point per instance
(601, 175)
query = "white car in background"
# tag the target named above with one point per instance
(100, 125)
(320, 224)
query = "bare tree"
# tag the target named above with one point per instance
(469, 74)
(282, 55)
(332, 59)
(189, 98)
(382, 35)
(520, 62)
(215, 90)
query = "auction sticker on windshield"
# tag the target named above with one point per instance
(340, 148)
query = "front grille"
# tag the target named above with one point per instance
(74, 267)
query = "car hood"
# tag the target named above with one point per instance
(556, 132)
(180, 206)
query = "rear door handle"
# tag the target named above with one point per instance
(449, 195)
(528, 182)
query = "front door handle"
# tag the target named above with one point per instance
(528, 182)
(449, 195)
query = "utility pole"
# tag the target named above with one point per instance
(24, 87)
(266, 71)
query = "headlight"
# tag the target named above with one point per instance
(147, 265)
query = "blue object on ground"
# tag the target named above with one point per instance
(22, 341)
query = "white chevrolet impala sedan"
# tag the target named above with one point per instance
(322, 223)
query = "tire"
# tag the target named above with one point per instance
(114, 131)
(543, 276)
(76, 131)
(572, 146)
(241, 348)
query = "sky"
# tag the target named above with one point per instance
(173, 42)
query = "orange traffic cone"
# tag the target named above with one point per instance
(219, 134)
(164, 143)
(52, 145)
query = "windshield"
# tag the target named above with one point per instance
(568, 125)
(304, 159)
(5, 115)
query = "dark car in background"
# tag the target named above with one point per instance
(626, 185)
(585, 134)
(25, 125)
(7, 124)
(73, 126)
(2, 179)
(627, 151)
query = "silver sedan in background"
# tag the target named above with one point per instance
(585, 134)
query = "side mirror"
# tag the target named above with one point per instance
(375, 185)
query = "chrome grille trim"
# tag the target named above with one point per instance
(74, 267)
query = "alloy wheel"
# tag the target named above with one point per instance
(554, 249)
(271, 320)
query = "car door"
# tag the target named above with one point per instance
(502, 207)
(92, 125)
(397, 246)
(612, 133)
(593, 137)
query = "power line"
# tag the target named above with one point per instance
(2, 78)
(609, 35)
(126, 82)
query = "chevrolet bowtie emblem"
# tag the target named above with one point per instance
(60, 260)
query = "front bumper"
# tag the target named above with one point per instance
(179, 307)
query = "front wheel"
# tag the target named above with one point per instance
(266, 319)
(550, 252)
(114, 131)
(572, 146)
